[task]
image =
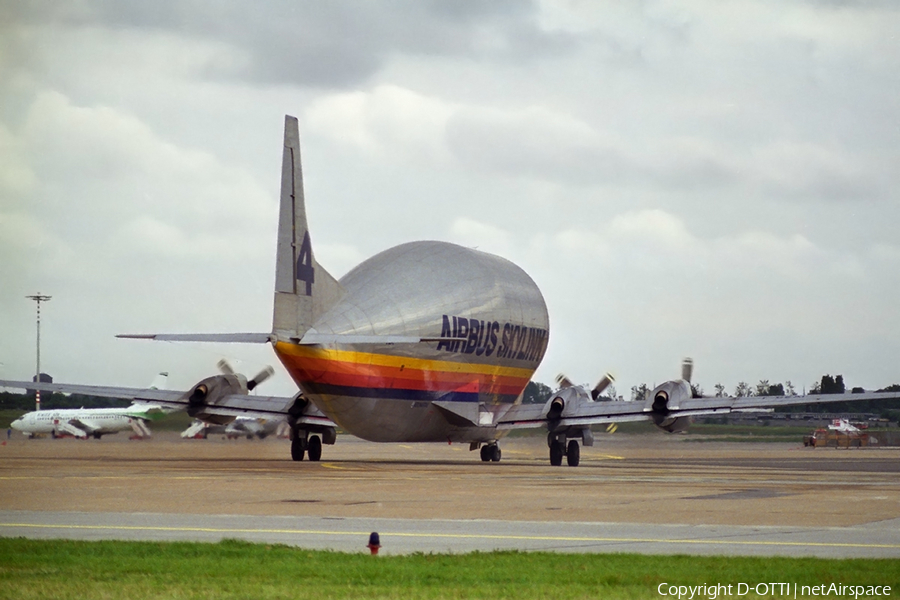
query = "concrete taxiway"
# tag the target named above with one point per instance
(632, 493)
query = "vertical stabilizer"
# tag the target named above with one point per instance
(303, 289)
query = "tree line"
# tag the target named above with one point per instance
(10, 401)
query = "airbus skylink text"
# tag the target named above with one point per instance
(790, 590)
(474, 336)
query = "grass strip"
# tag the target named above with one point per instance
(235, 569)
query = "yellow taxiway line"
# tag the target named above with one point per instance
(499, 537)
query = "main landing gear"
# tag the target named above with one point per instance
(311, 446)
(490, 453)
(559, 448)
(303, 443)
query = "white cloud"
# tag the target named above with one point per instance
(388, 120)
(679, 177)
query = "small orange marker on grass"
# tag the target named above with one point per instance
(374, 543)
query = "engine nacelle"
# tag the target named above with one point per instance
(663, 400)
(209, 391)
(566, 398)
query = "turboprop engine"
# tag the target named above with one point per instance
(209, 391)
(563, 440)
(668, 396)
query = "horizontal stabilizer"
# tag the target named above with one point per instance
(222, 338)
(312, 338)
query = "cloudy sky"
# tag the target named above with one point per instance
(707, 179)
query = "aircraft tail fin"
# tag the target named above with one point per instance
(303, 289)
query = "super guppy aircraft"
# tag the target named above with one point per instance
(425, 342)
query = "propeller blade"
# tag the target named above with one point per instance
(563, 381)
(687, 369)
(260, 377)
(224, 367)
(602, 385)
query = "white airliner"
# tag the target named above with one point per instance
(89, 422)
(424, 342)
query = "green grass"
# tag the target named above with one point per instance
(234, 569)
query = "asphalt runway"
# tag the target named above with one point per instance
(632, 493)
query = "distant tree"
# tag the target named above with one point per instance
(10, 401)
(815, 388)
(839, 384)
(742, 389)
(720, 390)
(762, 388)
(639, 392)
(696, 391)
(789, 388)
(895, 387)
(832, 385)
(536, 393)
(776, 390)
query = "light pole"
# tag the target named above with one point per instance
(38, 298)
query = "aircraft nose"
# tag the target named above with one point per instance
(16, 424)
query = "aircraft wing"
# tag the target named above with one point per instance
(525, 416)
(135, 394)
(263, 407)
(589, 413)
(237, 405)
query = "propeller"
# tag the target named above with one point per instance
(224, 367)
(602, 385)
(260, 377)
(563, 382)
(687, 369)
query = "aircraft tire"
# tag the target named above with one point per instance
(556, 453)
(297, 449)
(573, 453)
(495, 453)
(485, 456)
(315, 448)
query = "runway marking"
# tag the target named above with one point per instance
(462, 536)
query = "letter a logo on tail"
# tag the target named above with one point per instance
(303, 289)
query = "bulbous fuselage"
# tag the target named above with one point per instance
(486, 329)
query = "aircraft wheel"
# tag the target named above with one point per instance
(556, 453)
(315, 448)
(297, 449)
(485, 454)
(573, 453)
(495, 453)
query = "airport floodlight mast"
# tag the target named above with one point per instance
(38, 298)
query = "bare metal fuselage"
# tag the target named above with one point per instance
(493, 328)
